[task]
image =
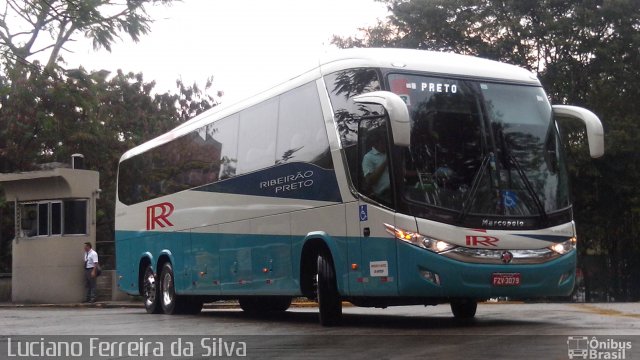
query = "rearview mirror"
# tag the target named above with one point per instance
(595, 132)
(397, 111)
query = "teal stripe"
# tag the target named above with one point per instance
(247, 264)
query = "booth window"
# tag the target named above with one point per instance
(75, 217)
(28, 214)
(51, 218)
(43, 219)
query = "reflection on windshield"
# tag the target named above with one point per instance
(481, 148)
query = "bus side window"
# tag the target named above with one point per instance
(302, 136)
(225, 133)
(257, 135)
(342, 86)
(373, 154)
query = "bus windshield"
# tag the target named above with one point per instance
(481, 148)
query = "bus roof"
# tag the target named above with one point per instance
(437, 63)
(427, 61)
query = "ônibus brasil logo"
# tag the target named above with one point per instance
(158, 215)
(581, 347)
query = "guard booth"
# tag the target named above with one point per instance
(55, 212)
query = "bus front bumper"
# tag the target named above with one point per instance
(423, 273)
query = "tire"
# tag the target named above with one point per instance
(151, 291)
(258, 305)
(329, 301)
(279, 303)
(168, 298)
(170, 302)
(464, 308)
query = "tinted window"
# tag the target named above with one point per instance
(374, 179)
(203, 156)
(342, 87)
(256, 145)
(225, 132)
(28, 220)
(302, 135)
(56, 218)
(75, 217)
(288, 128)
(47, 218)
(43, 219)
(481, 148)
(184, 163)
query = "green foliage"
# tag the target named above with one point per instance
(53, 23)
(586, 53)
(46, 119)
(48, 113)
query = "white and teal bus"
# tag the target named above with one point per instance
(380, 177)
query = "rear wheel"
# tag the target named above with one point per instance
(258, 305)
(151, 291)
(172, 303)
(167, 289)
(329, 300)
(464, 308)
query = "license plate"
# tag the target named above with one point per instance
(505, 279)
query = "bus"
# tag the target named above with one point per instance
(380, 177)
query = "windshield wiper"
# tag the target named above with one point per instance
(475, 184)
(506, 154)
(527, 185)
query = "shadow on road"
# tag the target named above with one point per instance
(373, 321)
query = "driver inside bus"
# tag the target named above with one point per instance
(375, 168)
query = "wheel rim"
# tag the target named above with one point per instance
(167, 289)
(150, 288)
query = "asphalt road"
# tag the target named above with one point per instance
(500, 331)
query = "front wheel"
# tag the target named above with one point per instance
(151, 292)
(329, 301)
(464, 308)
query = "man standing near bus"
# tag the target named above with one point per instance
(90, 272)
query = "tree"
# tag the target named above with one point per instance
(48, 113)
(585, 53)
(35, 27)
(24, 24)
(95, 115)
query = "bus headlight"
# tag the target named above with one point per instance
(416, 239)
(564, 247)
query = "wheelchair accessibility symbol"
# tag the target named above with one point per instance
(364, 216)
(509, 199)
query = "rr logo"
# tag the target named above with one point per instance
(158, 215)
(475, 240)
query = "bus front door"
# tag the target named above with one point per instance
(378, 249)
(377, 246)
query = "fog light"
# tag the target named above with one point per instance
(431, 277)
(565, 277)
